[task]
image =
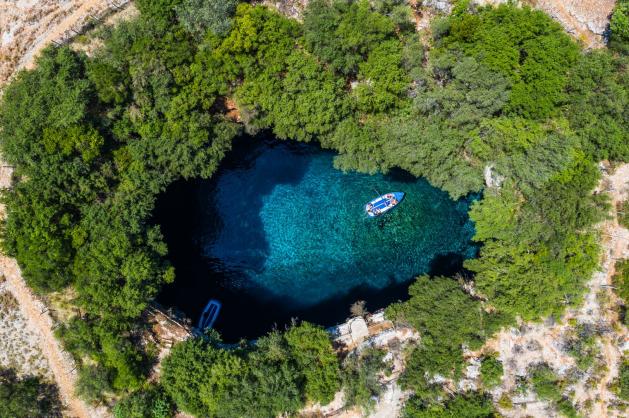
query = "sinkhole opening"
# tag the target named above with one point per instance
(278, 233)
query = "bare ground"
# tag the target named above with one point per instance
(534, 343)
(19, 343)
(585, 20)
(61, 364)
(27, 27)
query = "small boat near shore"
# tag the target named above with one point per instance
(383, 203)
(209, 315)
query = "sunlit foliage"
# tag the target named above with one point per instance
(500, 92)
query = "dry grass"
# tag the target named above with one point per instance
(19, 343)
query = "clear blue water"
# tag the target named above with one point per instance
(279, 233)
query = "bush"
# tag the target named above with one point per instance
(491, 371)
(93, 384)
(447, 318)
(546, 383)
(623, 214)
(310, 347)
(621, 283)
(523, 44)
(471, 405)
(361, 378)
(619, 27)
(149, 402)
(623, 381)
(276, 376)
(27, 397)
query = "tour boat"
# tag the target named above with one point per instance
(383, 203)
(209, 315)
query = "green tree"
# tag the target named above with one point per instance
(312, 350)
(491, 371)
(473, 405)
(361, 377)
(199, 16)
(597, 99)
(537, 249)
(382, 80)
(184, 373)
(27, 396)
(623, 380)
(619, 27)
(525, 45)
(447, 318)
(149, 402)
(342, 33)
(93, 384)
(546, 383)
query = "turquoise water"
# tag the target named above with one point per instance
(279, 233)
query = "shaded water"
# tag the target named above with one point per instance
(279, 233)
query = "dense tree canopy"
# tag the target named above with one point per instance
(498, 93)
(277, 376)
(473, 405)
(27, 396)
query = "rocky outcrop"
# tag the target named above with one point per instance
(290, 8)
(586, 20)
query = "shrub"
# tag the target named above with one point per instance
(619, 27)
(546, 383)
(471, 405)
(27, 397)
(361, 378)
(623, 381)
(149, 402)
(621, 283)
(491, 371)
(93, 383)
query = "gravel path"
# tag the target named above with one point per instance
(61, 364)
(41, 324)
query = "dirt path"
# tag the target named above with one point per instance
(28, 26)
(56, 31)
(61, 365)
(29, 41)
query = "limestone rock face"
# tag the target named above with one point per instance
(290, 8)
(444, 6)
(586, 20)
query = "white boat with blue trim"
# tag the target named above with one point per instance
(383, 203)
(209, 315)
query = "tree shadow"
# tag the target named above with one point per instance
(213, 225)
(215, 232)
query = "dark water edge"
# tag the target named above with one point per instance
(251, 312)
